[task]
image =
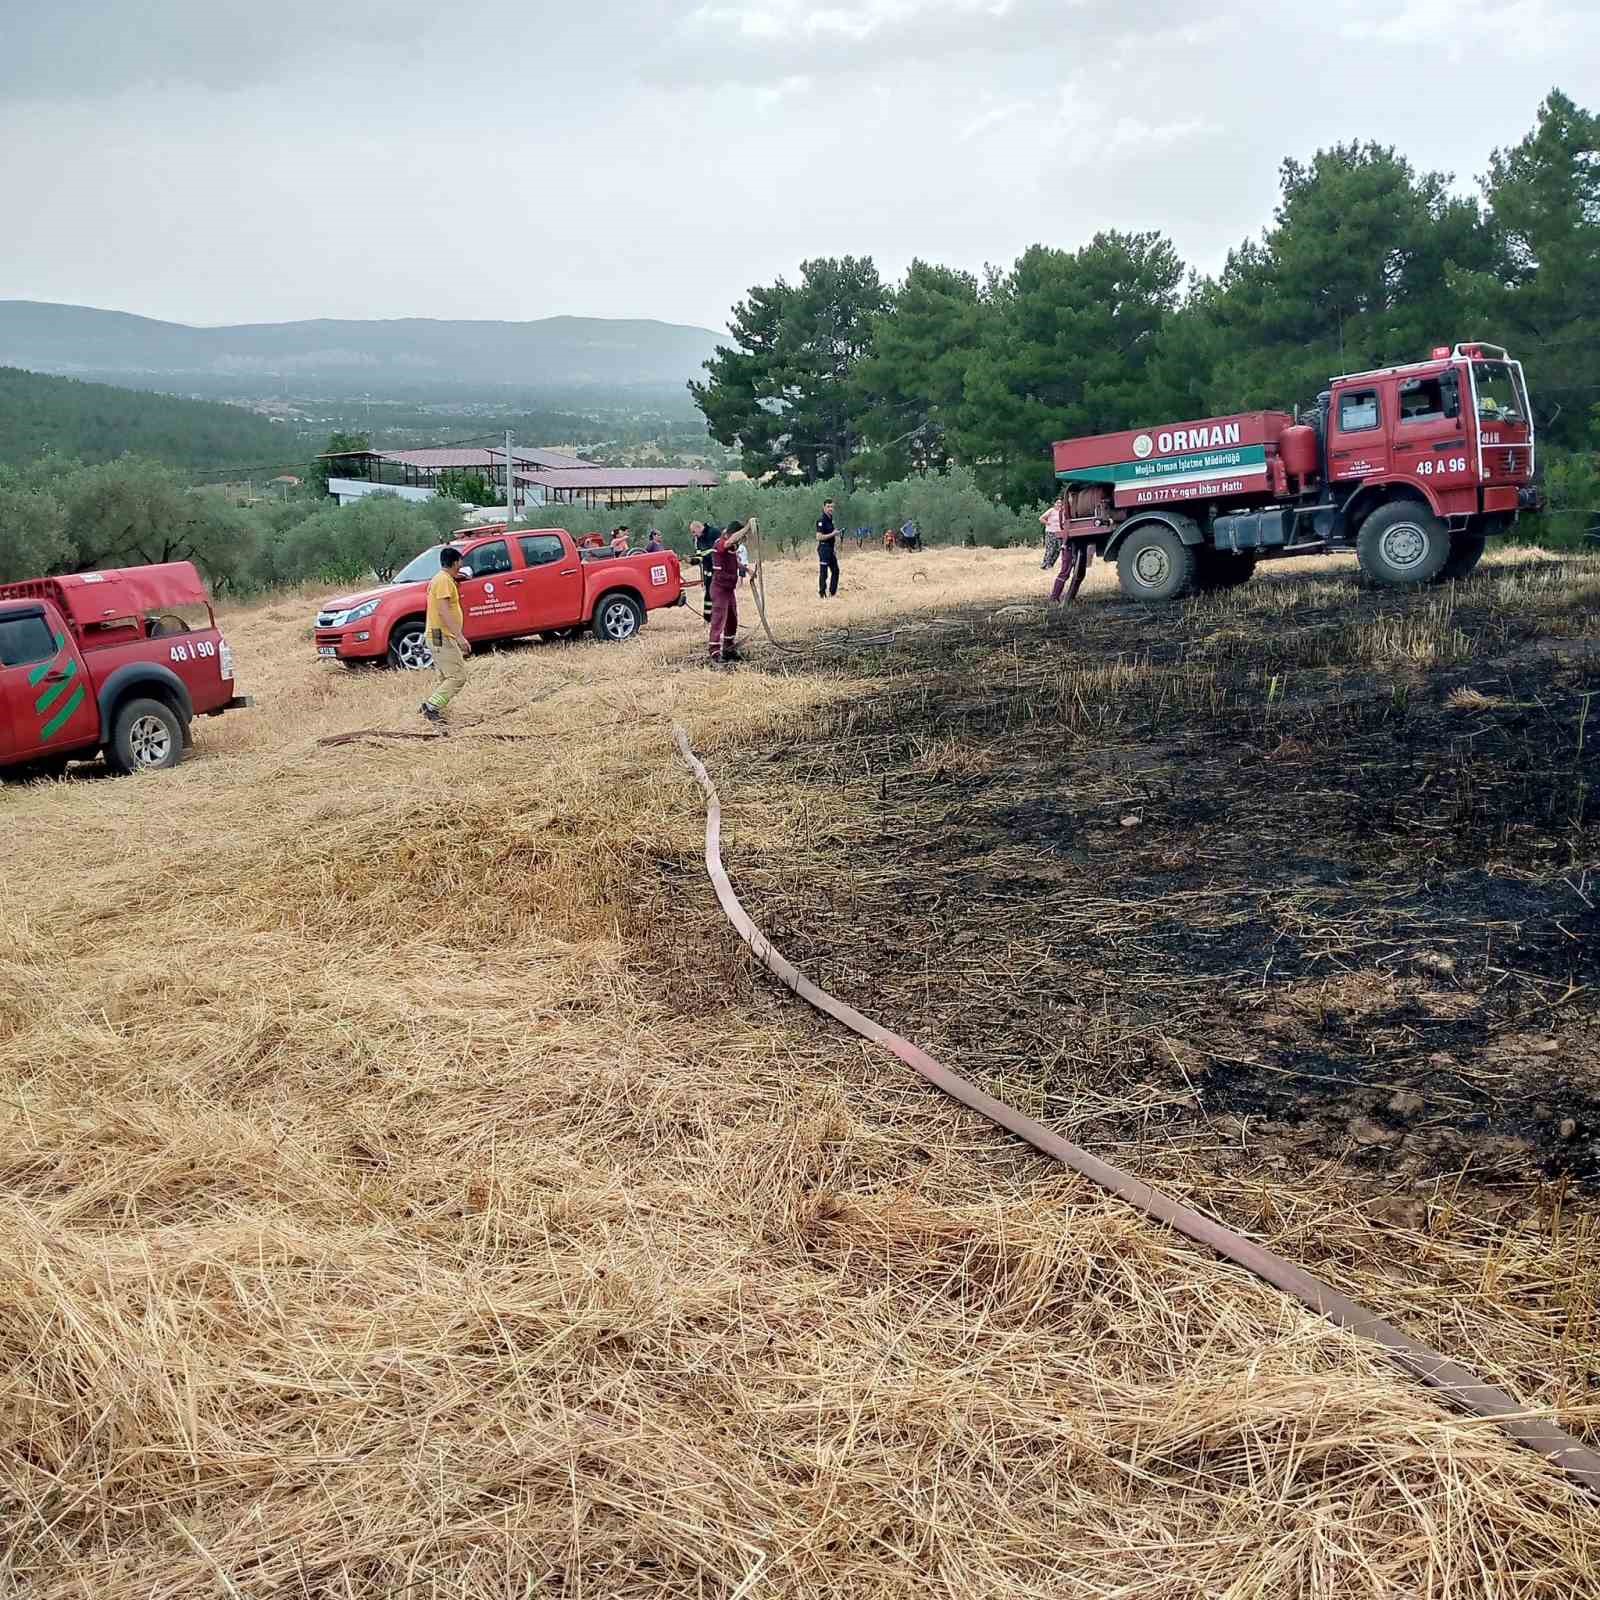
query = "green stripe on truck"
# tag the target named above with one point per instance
(43, 702)
(61, 718)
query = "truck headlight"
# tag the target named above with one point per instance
(343, 619)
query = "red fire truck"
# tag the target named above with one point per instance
(1414, 467)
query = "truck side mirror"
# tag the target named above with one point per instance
(1450, 390)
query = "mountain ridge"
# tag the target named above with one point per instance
(88, 341)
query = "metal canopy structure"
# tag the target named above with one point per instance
(615, 486)
(556, 476)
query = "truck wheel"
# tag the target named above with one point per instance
(1466, 551)
(618, 618)
(1402, 543)
(409, 650)
(147, 736)
(1223, 569)
(1154, 564)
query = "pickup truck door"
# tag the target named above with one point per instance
(554, 580)
(46, 700)
(492, 597)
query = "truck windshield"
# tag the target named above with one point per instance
(420, 568)
(1500, 396)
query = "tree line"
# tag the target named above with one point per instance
(98, 422)
(1367, 262)
(70, 516)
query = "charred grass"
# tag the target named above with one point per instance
(407, 1187)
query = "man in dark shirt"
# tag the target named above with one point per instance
(827, 554)
(705, 536)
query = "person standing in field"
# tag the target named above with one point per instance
(1074, 563)
(1054, 520)
(446, 634)
(725, 575)
(1075, 553)
(704, 537)
(827, 554)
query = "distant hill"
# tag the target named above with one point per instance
(95, 422)
(556, 351)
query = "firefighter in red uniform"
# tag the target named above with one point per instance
(724, 587)
(1073, 506)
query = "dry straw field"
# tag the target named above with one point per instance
(408, 1187)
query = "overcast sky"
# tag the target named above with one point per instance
(212, 161)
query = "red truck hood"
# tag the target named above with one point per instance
(359, 597)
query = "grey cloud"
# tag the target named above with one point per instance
(208, 161)
(765, 41)
(73, 48)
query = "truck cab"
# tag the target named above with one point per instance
(1455, 432)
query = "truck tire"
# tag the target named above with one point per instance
(1155, 565)
(1466, 551)
(617, 618)
(147, 736)
(1402, 543)
(1223, 569)
(408, 647)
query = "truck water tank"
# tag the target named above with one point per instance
(1297, 446)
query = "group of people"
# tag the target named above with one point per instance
(725, 563)
(905, 537)
(621, 540)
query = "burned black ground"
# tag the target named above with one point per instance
(1301, 874)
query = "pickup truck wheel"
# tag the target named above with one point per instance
(1154, 564)
(618, 618)
(148, 736)
(409, 650)
(1401, 544)
(1466, 551)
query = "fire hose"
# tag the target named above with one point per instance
(1457, 1384)
(758, 587)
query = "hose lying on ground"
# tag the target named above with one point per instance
(1459, 1385)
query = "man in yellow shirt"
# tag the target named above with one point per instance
(446, 636)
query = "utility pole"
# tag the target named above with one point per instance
(511, 509)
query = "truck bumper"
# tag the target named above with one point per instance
(349, 644)
(238, 702)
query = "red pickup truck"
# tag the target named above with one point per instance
(120, 662)
(512, 585)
